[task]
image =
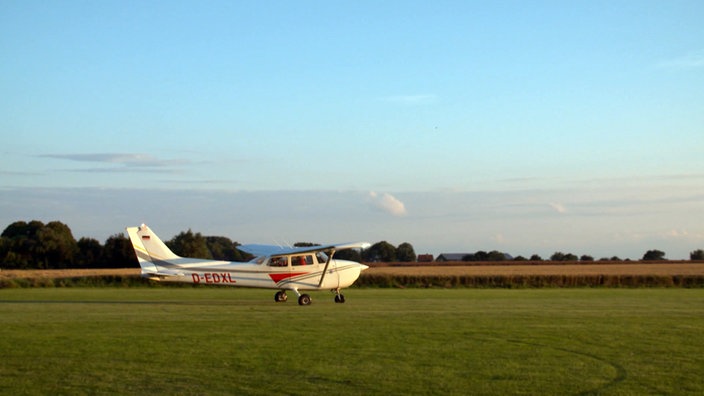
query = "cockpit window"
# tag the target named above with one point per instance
(278, 262)
(322, 257)
(302, 260)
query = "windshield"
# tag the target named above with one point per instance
(322, 257)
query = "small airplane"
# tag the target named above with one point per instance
(274, 267)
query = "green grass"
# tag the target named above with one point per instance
(417, 341)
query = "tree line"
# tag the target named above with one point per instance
(650, 255)
(35, 245)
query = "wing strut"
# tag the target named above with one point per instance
(325, 270)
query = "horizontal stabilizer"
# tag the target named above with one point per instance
(164, 273)
(161, 275)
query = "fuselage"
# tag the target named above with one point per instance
(294, 272)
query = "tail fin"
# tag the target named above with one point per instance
(151, 252)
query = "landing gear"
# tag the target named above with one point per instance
(339, 297)
(280, 296)
(304, 299)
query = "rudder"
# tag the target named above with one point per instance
(150, 250)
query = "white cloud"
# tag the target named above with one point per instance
(388, 203)
(682, 234)
(558, 207)
(128, 161)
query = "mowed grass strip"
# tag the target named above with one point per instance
(414, 341)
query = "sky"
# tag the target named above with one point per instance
(457, 126)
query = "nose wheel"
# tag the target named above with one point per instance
(340, 298)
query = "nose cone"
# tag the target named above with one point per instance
(362, 267)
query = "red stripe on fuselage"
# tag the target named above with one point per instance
(281, 276)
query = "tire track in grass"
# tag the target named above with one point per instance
(621, 373)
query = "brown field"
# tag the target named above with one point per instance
(65, 273)
(659, 269)
(453, 269)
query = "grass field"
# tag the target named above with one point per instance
(413, 341)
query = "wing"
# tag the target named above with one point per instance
(272, 250)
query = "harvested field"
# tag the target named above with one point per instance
(639, 269)
(538, 275)
(453, 269)
(66, 273)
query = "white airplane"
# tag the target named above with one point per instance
(274, 267)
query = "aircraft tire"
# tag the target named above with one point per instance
(339, 298)
(304, 299)
(280, 296)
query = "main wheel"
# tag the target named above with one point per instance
(304, 299)
(280, 296)
(339, 298)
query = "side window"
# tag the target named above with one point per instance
(278, 262)
(322, 257)
(302, 260)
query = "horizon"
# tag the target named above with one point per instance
(291, 223)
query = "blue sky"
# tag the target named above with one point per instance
(526, 127)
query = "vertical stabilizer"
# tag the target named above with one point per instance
(150, 250)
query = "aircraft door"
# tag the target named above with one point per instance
(280, 267)
(336, 274)
(302, 260)
(333, 276)
(330, 278)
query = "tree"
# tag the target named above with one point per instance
(405, 252)
(536, 257)
(481, 255)
(57, 247)
(222, 248)
(90, 253)
(4, 248)
(381, 251)
(119, 253)
(35, 245)
(20, 244)
(653, 255)
(21, 228)
(305, 244)
(349, 254)
(697, 255)
(557, 256)
(188, 244)
(586, 257)
(495, 255)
